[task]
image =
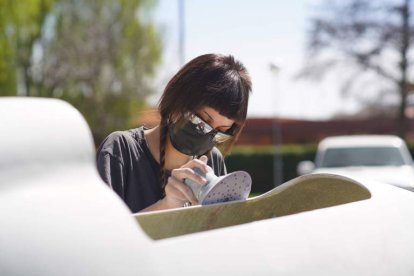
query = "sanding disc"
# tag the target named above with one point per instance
(230, 187)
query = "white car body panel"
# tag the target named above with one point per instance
(370, 237)
(57, 217)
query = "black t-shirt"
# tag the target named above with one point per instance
(126, 164)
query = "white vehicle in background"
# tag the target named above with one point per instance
(384, 158)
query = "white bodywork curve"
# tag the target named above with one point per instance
(58, 218)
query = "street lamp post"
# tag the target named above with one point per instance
(276, 136)
(181, 31)
(277, 157)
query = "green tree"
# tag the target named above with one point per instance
(20, 27)
(99, 55)
(374, 39)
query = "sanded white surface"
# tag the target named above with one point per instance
(56, 215)
(369, 237)
(42, 131)
(58, 218)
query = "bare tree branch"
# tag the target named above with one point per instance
(376, 36)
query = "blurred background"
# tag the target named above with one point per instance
(319, 68)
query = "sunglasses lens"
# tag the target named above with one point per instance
(203, 127)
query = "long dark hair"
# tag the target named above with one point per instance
(212, 80)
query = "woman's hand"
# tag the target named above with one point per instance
(176, 192)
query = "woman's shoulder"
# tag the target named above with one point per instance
(123, 138)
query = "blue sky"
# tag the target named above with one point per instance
(257, 33)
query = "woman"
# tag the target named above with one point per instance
(203, 105)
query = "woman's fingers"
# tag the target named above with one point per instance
(203, 159)
(200, 163)
(188, 173)
(187, 170)
(179, 193)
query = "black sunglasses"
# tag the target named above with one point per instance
(205, 128)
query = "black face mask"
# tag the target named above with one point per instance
(189, 140)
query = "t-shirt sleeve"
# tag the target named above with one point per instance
(112, 172)
(110, 163)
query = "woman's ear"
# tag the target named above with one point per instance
(172, 118)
